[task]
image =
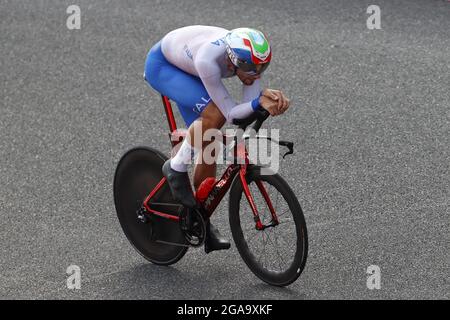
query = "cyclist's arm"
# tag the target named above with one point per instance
(230, 110)
(210, 76)
(252, 91)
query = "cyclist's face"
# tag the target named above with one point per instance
(246, 78)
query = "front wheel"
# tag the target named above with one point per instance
(277, 254)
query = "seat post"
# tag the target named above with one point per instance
(171, 120)
(169, 114)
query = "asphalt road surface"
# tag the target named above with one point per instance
(370, 119)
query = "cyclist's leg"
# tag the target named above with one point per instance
(185, 89)
(192, 98)
(210, 118)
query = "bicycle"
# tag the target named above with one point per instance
(153, 222)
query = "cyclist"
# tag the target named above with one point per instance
(188, 66)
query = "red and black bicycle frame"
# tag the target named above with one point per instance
(221, 187)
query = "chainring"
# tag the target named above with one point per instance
(196, 233)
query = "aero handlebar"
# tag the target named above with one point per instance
(260, 115)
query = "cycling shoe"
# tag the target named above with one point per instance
(214, 240)
(180, 185)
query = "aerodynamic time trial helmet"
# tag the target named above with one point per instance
(248, 50)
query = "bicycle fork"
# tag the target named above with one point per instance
(259, 225)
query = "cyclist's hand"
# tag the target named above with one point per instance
(277, 95)
(270, 105)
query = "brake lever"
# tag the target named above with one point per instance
(289, 145)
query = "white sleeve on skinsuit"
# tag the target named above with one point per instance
(251, 92)
(210, 76)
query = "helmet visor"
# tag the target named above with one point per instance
(251, 68)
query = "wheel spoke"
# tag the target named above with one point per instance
(264, 246)
(276, 244)
(248, 229)
(277, 252)
(287, 221)
(284, 212)
(278, 195)
(255, 234)
(287, 242)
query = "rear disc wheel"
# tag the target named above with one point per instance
(137, 174)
